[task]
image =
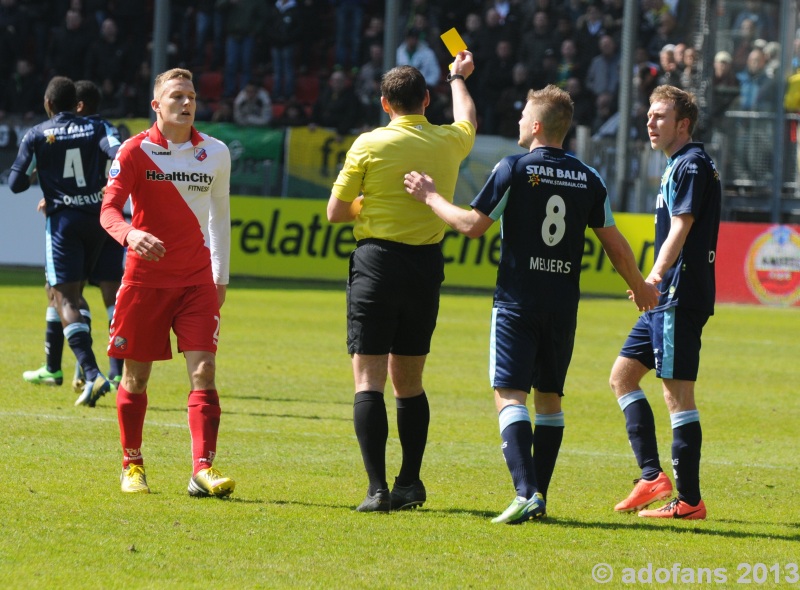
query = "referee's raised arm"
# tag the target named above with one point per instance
(463, 105)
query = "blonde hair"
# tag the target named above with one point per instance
(554, 108)
(164, 77)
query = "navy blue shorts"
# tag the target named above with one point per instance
(531, 349)
(74, 240)
(393, 297)
(668, 341)
(110, 264)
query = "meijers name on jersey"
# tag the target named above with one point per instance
(196, 177)
(550, 265)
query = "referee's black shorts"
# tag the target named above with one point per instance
(393, 297)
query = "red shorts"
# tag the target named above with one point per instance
(143, 317)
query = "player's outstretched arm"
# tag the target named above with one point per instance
(470, 222)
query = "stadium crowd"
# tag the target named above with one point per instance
(298, 62)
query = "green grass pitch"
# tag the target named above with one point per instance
(287, 438)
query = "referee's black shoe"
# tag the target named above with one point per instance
(377, 502)
(408, 497)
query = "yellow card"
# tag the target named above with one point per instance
(453, 41)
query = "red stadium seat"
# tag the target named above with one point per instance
(306, 89)
(210, 86)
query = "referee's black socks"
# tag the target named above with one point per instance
(413, 417)
(372, 430)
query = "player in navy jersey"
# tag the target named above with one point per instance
(667, 338)
(546, 200)
(69, 154)
(106, 275)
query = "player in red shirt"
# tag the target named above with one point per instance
(176, 273)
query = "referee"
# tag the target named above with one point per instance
(397, 268)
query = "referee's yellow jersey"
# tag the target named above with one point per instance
(376, 164)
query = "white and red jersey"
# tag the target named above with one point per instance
(180, 193)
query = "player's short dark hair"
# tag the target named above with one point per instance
(685, 103)
(554, 108)
(61, 93)
(404, 87)
(89, 94)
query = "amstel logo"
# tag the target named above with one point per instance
(772, 266)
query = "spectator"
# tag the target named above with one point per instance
(23, 92)
(252, 107)
(511, 102)
(757, 14)
(372, 34)
(417, 53)
(112, 104)
(37, 25)
(569, 64)
(725, 90)
(583, 111)
(107, 57)
(670, 74)
(664, 35)
(139, 93)
(753, 144)
(473, 25)
(224, 112)
(535, 41)
(452, 13)
(209, 24)
(725, 84)
(293, 115)
(756, 89)
(645, 81)
(691, 74)
(337, 106)
(70, 47)
(590, 27)
(680, 49)
(603, 74)
(285, 29)
(641, 57)
(316, 16)
(368, 85)
(420, 15)
(349, 16)
(744, 38)
(651, 12)
(564, 28)
(244, 19)
(550, 73)
(510, 16)
(490, 33)
(494, 78)
(605, 119)
(11, 29)
(614, 11)
(772, 52)
(583, 102)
